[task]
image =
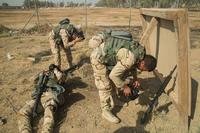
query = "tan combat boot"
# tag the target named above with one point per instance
(107, 114)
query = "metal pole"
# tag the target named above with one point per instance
(177, 3)
(29, 4)
(46, 3)
(85, 17)
(36, 10)
(28, 21)
(130, 15)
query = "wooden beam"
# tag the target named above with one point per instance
(184, 81)
(169, 14)
(144, 24)
(148, 32)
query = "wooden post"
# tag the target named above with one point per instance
(183, 69)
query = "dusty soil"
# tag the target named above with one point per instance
(81, 112)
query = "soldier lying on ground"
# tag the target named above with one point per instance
(64, 36)
(115, 54)
(52, 96)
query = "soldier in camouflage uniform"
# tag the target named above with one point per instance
(64, 36)
(113, 56)
(51, 98)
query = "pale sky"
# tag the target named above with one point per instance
(20, 2)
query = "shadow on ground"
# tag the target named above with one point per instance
(70, 99)
(194, 93)
(40, 55)
(131, 130)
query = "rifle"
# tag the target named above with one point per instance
(134, 92)
(158, 94)
(41, 87)
(71, 69)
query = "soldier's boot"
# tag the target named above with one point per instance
(108, 115)
(106, 101)
(48, 120)
(24, 116)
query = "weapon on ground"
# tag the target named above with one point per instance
(152, 103)
(41, 87)
(71, 69)
(74, 67)
(134, 92)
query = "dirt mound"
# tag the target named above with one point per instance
(4, 29)
(42, 29)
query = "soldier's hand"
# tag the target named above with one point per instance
(136, 84)
(70, 44)
(127, 91)
(78, 39)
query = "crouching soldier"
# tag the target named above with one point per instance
(115, 54)
(49, 94)
(64, 36)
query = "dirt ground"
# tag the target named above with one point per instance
(81, 112)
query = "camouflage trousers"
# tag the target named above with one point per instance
(104, 85)
(48, 105)
(56, 50)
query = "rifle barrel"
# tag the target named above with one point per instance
(40, 89)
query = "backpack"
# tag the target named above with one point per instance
(63, 24)
(116, 40)
(118, 34)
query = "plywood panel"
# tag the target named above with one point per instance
(169, 43)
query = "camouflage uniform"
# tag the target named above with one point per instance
(103, 77)
(65, 45)
(49, 102)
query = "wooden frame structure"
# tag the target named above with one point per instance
(166, 36)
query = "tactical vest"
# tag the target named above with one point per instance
(51, 83)
(68, 27)
(114, 43)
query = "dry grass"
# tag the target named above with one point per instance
(96, 16)
(81, 113)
